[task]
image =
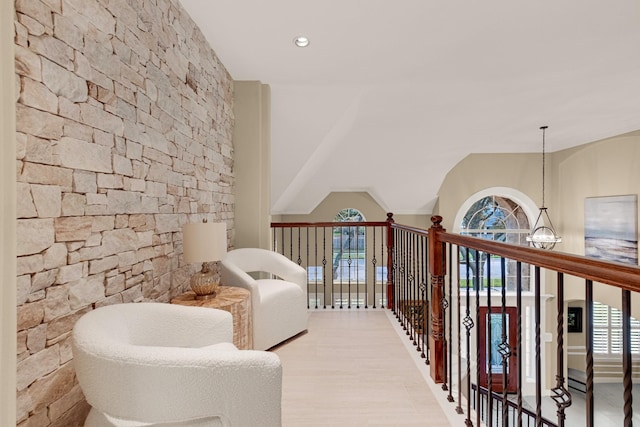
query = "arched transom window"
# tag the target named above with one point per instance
(501, 219)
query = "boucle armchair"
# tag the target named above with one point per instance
(279, 303)
(147, 364)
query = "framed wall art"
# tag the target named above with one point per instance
(574, 319)
(611, 228)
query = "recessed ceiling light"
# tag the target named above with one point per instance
(301, 41)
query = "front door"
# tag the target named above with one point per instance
(492, 328)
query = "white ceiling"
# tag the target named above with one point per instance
(390, 95)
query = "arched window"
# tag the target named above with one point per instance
(501, 219)
(348, 247)
(349, 215)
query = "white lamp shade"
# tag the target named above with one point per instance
(204, 241)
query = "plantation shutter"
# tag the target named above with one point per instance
(600, 328)
(607, 330)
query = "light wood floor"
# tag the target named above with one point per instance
(353, 369)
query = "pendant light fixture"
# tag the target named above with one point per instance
(543, 235)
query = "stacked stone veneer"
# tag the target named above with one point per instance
(124, 123)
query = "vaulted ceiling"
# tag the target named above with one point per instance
(390, 95)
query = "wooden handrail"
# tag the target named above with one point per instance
(416, 230)
(329, 224)
(621, 275)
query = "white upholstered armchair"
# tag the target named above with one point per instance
(147, 364)
(279, 304)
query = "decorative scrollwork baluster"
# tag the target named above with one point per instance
(559, 393)
(445, 305)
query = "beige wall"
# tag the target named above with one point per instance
(252, 147)
(7, 219)
(477, 172)
(362, 201)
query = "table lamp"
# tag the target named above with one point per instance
(204, 242)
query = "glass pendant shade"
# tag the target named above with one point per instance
(543, 235)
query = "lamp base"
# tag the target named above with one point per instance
(205, 283)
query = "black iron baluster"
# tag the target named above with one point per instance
(403, 278)
(389, 263)
(423, 308)
(626, 357)
(409, 288)
(339, 262)
(407, 282)
(375, 273)
(477, 279)
(589, 349)
(413, 299)
(299, 260)
(393, 271)
(307, 259)
(315, 260)
(559, 393)
(324, 269)
(358, 265)
(450, 343)
(416, 299)
(282, 241)
(349, 261)
(519, 339)
(406, 298)
(366, 266)
(291, 243)
(413, 289)
(538, 356)
(274, 240)
(468, 324)
(419, 291)
(504, 348)
(459, 317)
(384, 260)
(398, 274)
(488, 344)
(444, 304)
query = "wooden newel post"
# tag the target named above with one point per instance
(437, 343)
(390, 298)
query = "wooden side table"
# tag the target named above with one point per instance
(236, 301)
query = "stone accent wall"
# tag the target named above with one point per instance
(124, 123)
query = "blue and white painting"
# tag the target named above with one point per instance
(611, 228)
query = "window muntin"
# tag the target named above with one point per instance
(499, 219)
